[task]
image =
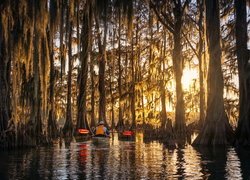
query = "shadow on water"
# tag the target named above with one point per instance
(213, 162)
(124, 160)
(244, 158)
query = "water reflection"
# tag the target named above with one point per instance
(244, 159)
(124, 160)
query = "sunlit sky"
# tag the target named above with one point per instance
(188, 77)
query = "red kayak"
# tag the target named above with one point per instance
(127, 133)
(83, 131)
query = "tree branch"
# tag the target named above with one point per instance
(186, 38)
(166, 24)
(185, 5)
(166, 17)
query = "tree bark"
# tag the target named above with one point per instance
(85, 44)
(166, 122)
(180, 125)
(62, 46)
(132, 88)
(120, 123)
(216, 130)
(112, 100)
(243, 129)
(102, 65)
(68, 126)
(5, 62)
(92, 122)
(200, 4)
(52, 127)
(35, 117)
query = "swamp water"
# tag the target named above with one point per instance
(124, 160)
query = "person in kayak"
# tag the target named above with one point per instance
(101, 130)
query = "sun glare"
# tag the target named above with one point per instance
(189, 75)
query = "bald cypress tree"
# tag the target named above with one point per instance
(5, 62)
(83, 75)
(216, 129)
(243, 129)
(173, 22)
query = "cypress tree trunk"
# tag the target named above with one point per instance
(102, 65)
(243, 129)
(111, 74)
(180, 125)
(85, 44)
(92, 76)
(166, 122)
(132, 88)
(68, 126)
(120, 123)
(62, 46)
(216, 130)
(200, 3)
(163, 105)
(101, 87)
(92, 122)
(5, 62)
(52, 127)
(35, 118)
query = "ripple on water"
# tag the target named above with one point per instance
(124, 160)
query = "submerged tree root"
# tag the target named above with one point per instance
(218, 133)
(168, 137)
(23, 138)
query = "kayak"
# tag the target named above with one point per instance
(100, 140)
(82, 135)
(127, 135)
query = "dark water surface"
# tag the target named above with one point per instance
(124, 160)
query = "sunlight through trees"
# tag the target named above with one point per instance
(168, 68)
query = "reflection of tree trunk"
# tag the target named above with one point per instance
(244, 156)
(180, 161)
(85, 44)
(243, 129)
(219, 158)
(216, 130)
